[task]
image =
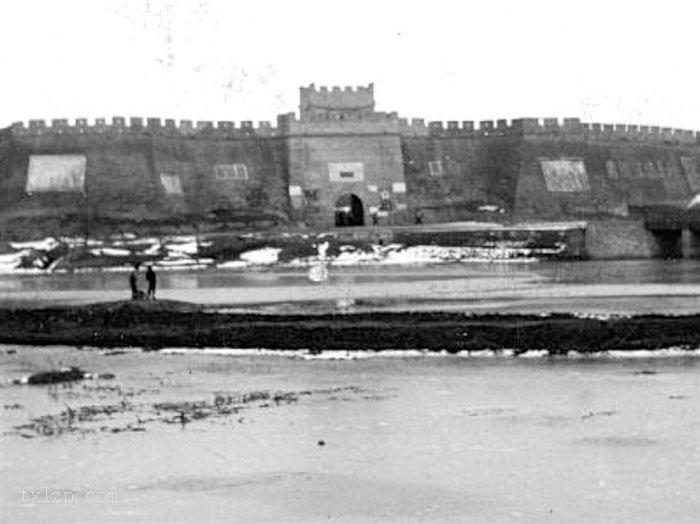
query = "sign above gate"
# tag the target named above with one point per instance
(346, 172)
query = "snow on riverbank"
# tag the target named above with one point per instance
(119, 253)
(340, 354)
(11, 261)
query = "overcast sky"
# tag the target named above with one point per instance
(613, 61)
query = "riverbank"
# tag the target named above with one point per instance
(163, 324)
(359, 246)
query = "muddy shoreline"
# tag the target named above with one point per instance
(156, 325)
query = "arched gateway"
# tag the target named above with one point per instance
(349, 211)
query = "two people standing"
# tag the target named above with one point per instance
(136, 293)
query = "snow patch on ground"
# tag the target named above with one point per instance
(110, 252)
(46, 244)
(9, 262)
(80, 242)
(155, 249)
(232, 264)
(188, 248)
(261, 257)
(182, 252)
(337, 354)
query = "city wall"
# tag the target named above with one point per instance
(489, 170)
(567, 127)
(124, 164)
(498, 166)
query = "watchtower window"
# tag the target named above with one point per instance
(311, 195)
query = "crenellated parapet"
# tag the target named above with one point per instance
(330, 124)
(548, 126)
(149, 126)
(336, 102)
(417, 127)
(336, 97)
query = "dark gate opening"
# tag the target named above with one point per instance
(349, 211)
(691, 242)
(669, 243)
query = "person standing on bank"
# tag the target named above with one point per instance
(134, 283)
(151, 279)
(374, 213)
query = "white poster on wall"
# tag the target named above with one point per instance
(690, 166)
(346, 171)
(565, 176)
(231, 171)
(56, 173)
(171, 184)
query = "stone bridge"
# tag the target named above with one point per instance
(676, 229)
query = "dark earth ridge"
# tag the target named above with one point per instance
(160, 324)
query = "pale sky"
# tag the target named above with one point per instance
(613, 61)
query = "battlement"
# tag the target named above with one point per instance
(351, 119)
(149, 126)
(418, 127)
(319, 102)
(548, 126)
(353, 95)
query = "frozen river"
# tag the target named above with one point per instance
(595, 286)
(380, 439)
(196, 436)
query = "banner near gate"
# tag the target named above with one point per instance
(65, 173)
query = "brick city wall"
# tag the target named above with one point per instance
(372, 143)
(498, 168)
(124, 164)
(492, 170)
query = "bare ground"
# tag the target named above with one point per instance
(155, 325)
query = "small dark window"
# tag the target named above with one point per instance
(347, 174)
(311, 195)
